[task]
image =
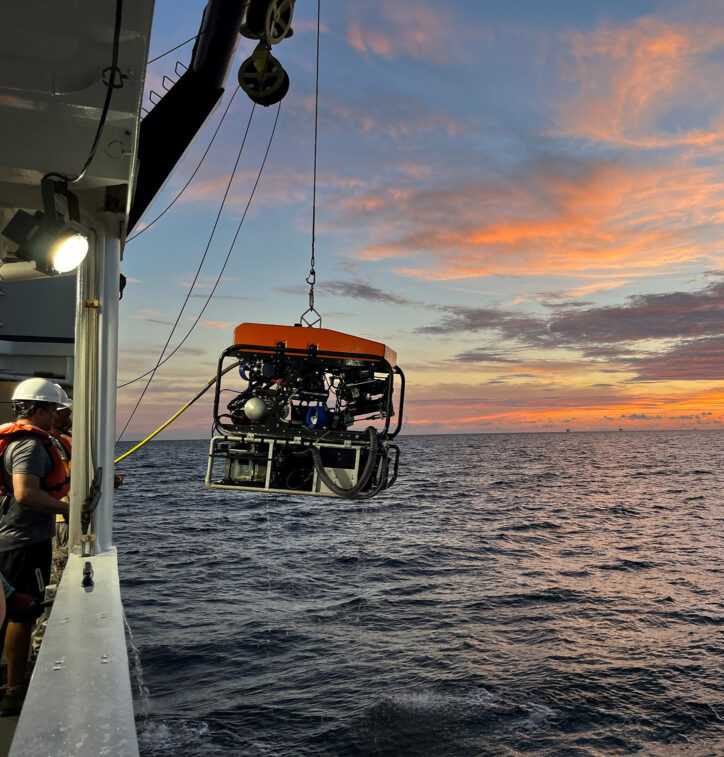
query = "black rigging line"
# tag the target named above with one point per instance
(185, 186)
(110, 84)
(181, 44)
(193, 283)
(233, 241)
(223, 268)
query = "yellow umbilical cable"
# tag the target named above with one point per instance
(176, 414)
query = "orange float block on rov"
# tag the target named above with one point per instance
(302, 338)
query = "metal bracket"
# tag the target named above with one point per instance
(86, 544)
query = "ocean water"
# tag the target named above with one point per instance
(536, 594)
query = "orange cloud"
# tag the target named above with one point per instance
(592, 288)
(148, 314)
(631, 79)
(409, 29)
(596, 220)
(224, 325)
(704, 408)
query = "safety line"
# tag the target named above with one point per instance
(181, 44)
(223, 268)
(198, 272)
(176, 414)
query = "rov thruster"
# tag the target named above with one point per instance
(289, 428)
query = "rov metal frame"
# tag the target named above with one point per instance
(283, 438)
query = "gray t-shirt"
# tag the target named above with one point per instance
(20, 526)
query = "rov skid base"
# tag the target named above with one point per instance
(286, 466)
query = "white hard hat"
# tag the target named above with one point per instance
(65, 400)
(39, 390)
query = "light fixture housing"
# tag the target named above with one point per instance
(46, 238)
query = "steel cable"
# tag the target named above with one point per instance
(216, 283)
(160, 360)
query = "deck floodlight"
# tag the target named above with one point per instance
(54, 244)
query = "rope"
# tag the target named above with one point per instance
(196, 276)
(223, 268)
(181, 44)
(185, 186)
(311, 316)
(176, 414)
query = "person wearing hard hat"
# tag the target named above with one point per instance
(63, 433)
(63, 425)
(33, 482)
(62, 429)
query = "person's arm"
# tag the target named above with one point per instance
(27, 492)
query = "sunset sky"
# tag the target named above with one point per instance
(524, 199)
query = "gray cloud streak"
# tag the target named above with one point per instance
(692, 323)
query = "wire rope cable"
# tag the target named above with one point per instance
(311, 317)
(196, 276)
(168, 52)
(223, 268)
(181, 44)
(191, 178)
(111, 84)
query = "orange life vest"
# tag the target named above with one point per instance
(57, 482)
(65, 447)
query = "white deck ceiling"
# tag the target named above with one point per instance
(52, 55)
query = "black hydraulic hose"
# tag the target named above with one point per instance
(354, 491)
(381, 483)
(396, 468)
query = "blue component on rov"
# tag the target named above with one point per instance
(316, 417)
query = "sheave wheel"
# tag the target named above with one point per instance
(263, 78)
(278, 24)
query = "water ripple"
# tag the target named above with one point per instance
(545, 594)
